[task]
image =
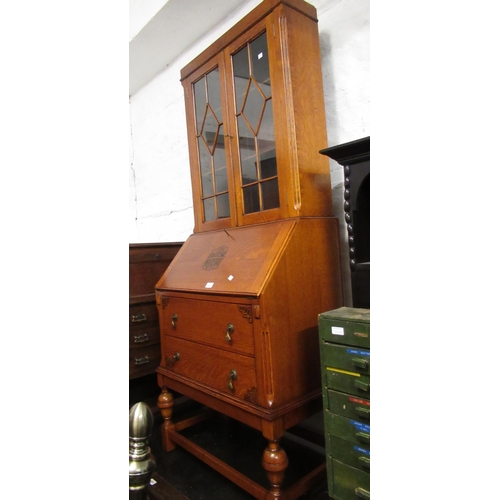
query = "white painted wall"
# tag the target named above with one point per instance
(161, 207)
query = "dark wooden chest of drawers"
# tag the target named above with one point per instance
(147, 262)
(345, 366)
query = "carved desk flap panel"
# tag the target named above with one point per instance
(232, 261)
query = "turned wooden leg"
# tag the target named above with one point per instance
(275, 463)
(165, 404)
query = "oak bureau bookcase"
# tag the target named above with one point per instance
(239, 304)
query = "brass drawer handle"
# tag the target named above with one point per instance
(229, 331)
(174, 320)
(139, 318)
(361, 493)
(141, 338)
(142, 361)
(173, 359)
(232, 376)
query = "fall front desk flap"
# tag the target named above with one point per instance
(232, 261)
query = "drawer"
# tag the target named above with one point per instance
(144, 336)
(217, 324)
(224, 371)
(349, 453)
(349, 382)
(348, 429)
(348, 326)
(143, 315)
(346, 482)
(348, 358)
(349, 406)
(144, 360)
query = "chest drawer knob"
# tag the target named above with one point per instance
(232, 377)
(139, 318)
(174, 320)
(229, 331)
(173, 359)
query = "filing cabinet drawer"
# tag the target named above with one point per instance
(350, 453)
(347, 326)
(348, 358)
(348, 429)
(349, 406)
(230, 373)
(144, 360)
(217, 324)
(346, 482)
(351, 383)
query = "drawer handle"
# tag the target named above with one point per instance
(365, 462)
(363, 412)
(139, 318)
(174, 320)
(360, 384)
(361, 493)
(229, 331)
(142, 361)
(141, 338)
(360, 362)
(173, 359)
(363, 437)
(232, 376)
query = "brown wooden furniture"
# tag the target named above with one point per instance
(147, 262)
(239, 304)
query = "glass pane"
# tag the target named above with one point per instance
(241, 73)
(260, 63)
(251, 199)
(213, 82)
(247, 152)
(209, 209)
(270, 194)
(223, 206)
(200, 103)
(253, 106)
(210, 128)
(205, 168)
(268, 166)
(220, 166)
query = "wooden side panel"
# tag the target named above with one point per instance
(306, 282)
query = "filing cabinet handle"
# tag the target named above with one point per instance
(229, 331)
(139, 318)
(361, 493)
(173, 359)
(363, 412)
(143, 337)
(363, 437)
(365, 462)
(361, 384)
(360, 362)
(142, 361)
(174, 320)
(232, 376)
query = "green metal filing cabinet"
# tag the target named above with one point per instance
(345, 370)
